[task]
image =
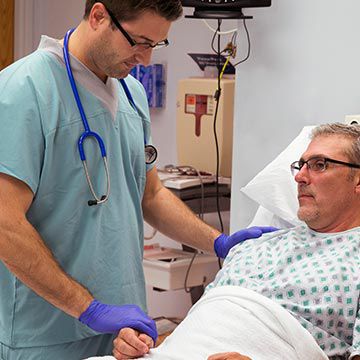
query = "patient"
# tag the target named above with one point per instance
(291, 294)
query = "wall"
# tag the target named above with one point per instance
(37, 17)
(186, 36)
(54, 18)
(304, 70)
(7, 20)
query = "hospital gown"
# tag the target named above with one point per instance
(314, 276)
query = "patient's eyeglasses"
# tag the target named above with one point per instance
(318, 164)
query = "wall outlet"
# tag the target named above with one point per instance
(352, 119)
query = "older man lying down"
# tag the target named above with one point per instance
(291, 294)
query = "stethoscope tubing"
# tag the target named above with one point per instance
(150, 150)
(87, 131)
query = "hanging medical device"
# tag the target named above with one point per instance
(150, 151)
(222, 9)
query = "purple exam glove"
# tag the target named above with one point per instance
(223, 243)
(105, 318)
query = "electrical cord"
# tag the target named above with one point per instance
(186, 288)
(201, 216)
(222, 32)
(231, 46)
(217, 52)
(217, 99)
(249, 45)
(231, 50)
(224, 67)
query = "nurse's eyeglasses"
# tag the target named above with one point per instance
(131, 41)
(318, 164)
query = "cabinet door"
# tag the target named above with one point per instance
(6, 33)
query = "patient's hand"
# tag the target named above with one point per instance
(228, 356)
(130, 344)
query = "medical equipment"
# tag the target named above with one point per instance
(152, 77)
(222, 9)
(165, 268)
(352, 119)
(195, 113)
(150, 150)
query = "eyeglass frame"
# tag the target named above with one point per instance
(325, 159)
(131, 41)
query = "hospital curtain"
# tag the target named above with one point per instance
(7, 8)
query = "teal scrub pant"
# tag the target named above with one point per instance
(95, 346)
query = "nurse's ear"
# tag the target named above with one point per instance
(98, 16)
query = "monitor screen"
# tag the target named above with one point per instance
(224, 4)
(222, 8)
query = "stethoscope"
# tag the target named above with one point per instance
(150, 150)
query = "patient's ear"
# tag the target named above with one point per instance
(357, 182)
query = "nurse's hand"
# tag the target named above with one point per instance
(223, 243)
(131, 344)
(228, 356)
(105, 318)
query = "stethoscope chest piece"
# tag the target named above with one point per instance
(150, 154)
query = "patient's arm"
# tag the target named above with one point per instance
(130, 344)
(228, 356)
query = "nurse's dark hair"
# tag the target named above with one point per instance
(351, 132)
(127, 10)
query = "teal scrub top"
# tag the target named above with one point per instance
(99, 246)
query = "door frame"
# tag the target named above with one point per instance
(24, 28)
(7, 30)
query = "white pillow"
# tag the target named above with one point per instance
(274, 188)
(264, 216)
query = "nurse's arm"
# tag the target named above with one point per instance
(25, 254)
(167, 213)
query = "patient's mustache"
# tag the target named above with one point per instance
(304, 192)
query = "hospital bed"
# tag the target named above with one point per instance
(274, 190)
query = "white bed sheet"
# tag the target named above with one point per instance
(231, 318)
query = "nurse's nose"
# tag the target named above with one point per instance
(143, 57)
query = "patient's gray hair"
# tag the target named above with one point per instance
(348, 131)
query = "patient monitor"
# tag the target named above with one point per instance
(352, 119)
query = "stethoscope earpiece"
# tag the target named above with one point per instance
(95, 202)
